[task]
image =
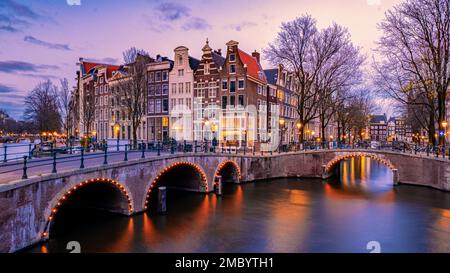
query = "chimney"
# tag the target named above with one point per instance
(256, 55)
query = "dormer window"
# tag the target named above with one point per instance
(232, 57)
(180, 60)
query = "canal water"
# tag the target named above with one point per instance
(279, 215)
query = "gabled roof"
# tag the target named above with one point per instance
(217, 59)
(271, 75)
(193, 63)
(254, 69)
(378, 119)
(88, 67)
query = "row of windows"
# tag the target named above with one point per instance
(181, 101)
(101, 89)
(201, 90)
(158, 89)
(182, 87)
(231, 85)
(231, 101)
(158, 76)
(158, 106)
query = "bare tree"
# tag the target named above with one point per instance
(133, 87)
(41, 107)
(64, 96)
(88, 103)
(130, 55)
(414, 67)
(318, 59)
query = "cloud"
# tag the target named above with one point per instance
(15, 16)
(373, 2)
(6, 89)
(170, 11)
(19, 66)
(73, 2)
(32, 40)
(106, 60)
(242, 25)
(8, 29)
(196, 23)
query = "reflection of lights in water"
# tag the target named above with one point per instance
(439, 234)
(280, 231)
(44, 249)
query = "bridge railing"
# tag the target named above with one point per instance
(71, 158)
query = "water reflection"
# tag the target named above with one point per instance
(281, 215)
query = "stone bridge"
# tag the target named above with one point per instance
(28, 207)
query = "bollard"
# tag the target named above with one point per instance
(195, 146)
(4, 153)
(158, 148)
(126, 153)
(82, 159)
(218, 187)
(162, 194)
(70, 148)
(29, 150)
(143, 149)
(24, 175)
(395, 177)
(54, 163)
(105, 160)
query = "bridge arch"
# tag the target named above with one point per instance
(229, 170)
(329, 167)
(193, 177)
(67, 193)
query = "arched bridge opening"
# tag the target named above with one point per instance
(332, 168)
(229, 171)
(87, 202)
(182, 176)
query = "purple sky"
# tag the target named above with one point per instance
(43, 39)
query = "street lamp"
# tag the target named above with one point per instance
(299, 127)
(282, 124)
(443, 134)
(117, 129)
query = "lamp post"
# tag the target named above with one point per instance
(443, 133)
(282, 124)
(299, 127)
(117, 129)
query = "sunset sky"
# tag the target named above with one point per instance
(43, 39)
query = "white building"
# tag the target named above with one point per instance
(181, 94)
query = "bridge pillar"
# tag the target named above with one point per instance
(395, 177)
(325, 174)
(162, 194)
(218, 185)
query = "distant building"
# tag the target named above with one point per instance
(181, 89)
(92, 99)
(378, 128)
(158, 99)
(206, 94)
